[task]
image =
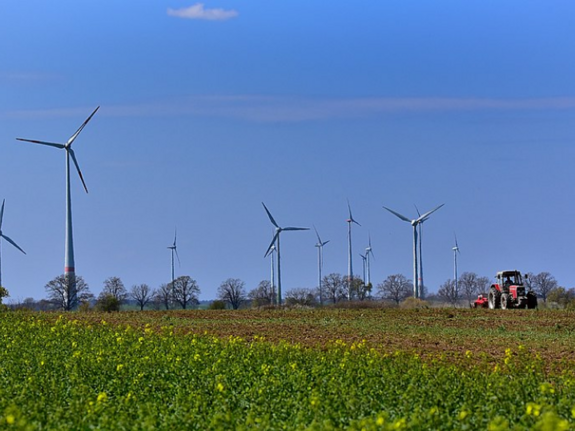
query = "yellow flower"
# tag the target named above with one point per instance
(102, 396)
(10, 419)
(220, 387)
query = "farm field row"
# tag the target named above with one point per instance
(326, 369)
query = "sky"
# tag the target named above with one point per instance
(209, 109)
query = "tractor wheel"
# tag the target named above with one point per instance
(494, 299)
(505, 302)
(531, 300)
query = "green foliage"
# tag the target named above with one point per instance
(108, 302)
(218, 304)
(59, 373)
(3, 293)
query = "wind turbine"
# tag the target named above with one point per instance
(319, 246)
(420, 227)
(455, 251)
(276, 242)
(368, 251)
(69, 265)
(415, 223)
(174, 249)
(6, 238)
(350, 220)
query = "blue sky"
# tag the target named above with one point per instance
(206, 111)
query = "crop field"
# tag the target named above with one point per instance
(288, 369)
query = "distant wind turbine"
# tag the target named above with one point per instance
(273, 276)
(350, 220)
(174, 250)
(420, 227)
(276, 242)
(455, 252)
(69, 265)
(319, 246)
(368, 252)
(415, 223)
(6, 238)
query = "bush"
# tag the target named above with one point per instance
(217, 305)
(108, 303)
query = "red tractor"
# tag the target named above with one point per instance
(509, 292)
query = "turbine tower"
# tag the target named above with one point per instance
(364, 261)
(350, 220)
(174, 249)
(69, 265)
(6, 238)
(414, 224)
(319, 246)
(455, 251)
(368, 251)
(420, 227)
(276, 242)
(273, 275)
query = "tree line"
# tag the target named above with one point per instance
(184, 292)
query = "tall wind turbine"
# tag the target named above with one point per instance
(350, 220)
(455, 251)
(69, 265)
(319, 246)
(6, 238)
(174, 250)
(368, 251)
(276, 242)
(420, 227)
(364, 261)
(415, 223)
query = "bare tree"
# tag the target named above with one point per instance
(333, 287)
(542, 284)
(359, 289)
(185, 291)
(142, 294)
(300, 296)
(233, 292)
(395, 287)
(448, 292)
(114, 287)
(163, 295)
(61, 293)
(262, 295)
(471, 285)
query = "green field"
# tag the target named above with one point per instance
(288, 369)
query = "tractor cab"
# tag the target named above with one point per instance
(505, 279)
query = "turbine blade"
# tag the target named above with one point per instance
(398, 215)
(178, 256)
(75, 135)
(371, 252)
(350, 214)
(52, 144)
(270, 216)
(324, 243)
(12, 242)
(175, 236)
(272, 244)
(295, 228)
(416, 209)
(2, 213)
(317, 234)
(456, 245)
(427, 214)
(71, 151)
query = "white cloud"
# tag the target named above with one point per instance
(198, 11)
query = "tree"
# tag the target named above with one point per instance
(471, 285)
(185, 291)
(262, 295)
(395, 287)
(163, 295)
(300, 296)
(3, 293)
(60, 292)
(562, 296)
(142, 294)
(542, 284)
(107, 302)
(448, 293)
(333, 287)
(233, 292)
(114, 287)
(359, 289)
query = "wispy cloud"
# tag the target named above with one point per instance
(257, 108)
(198, 11)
